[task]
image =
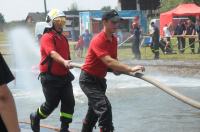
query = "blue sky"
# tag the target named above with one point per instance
(18, 9)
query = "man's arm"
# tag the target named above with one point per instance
(8, 110)
(193, 31)
(118, 66)
(58, 58)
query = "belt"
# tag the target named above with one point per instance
(93, 76)
(69, 76)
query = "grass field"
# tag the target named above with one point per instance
(146, 53)
(3, 37)
(124, 52)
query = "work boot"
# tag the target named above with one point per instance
(106, 130)
(156, 57)
(86, 128)
(35, 122)
(64, 127)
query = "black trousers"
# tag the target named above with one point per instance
(192, 44)
(155, 49)
(136, 48)
(99, 107)
(199, 45)
(57, 89)
(181, 44)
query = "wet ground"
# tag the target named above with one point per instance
(137, 106)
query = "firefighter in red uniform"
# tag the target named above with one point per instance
(101, 56)
(54, 73)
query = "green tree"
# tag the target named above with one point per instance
(194, 1)
(73, 7)
(167, 5)
(2, 21)
(106, 8)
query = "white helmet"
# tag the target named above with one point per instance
(54, 13)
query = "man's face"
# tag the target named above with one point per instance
(59, 23)
(111, 26)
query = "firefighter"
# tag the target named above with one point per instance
(136, 40)
(102, 56)
(55, 76)
(155, 41)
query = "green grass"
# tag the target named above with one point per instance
(146, 53)
(3, 38)
(126, 53)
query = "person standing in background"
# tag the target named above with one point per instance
(198, 31)
(155, 41)
(86, 38)
(136, 41)
(190, 30)
(180, 30)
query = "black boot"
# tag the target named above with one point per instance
(35, 122)
(156, 57)
(106, 130)
(64, 127)
(86, 128)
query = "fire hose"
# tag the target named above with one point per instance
(165, 88)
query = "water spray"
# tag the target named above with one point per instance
(165, 88)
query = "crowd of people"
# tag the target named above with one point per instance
(183, 30)
(187, 28)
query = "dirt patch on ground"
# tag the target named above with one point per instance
(180, 68)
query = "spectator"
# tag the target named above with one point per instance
(198, 31)
(190, 30)
(8, 114)
(166, 48)
(136, 41)
(167, 38)
(79, 47)
(155, 41)
(119, 35)
(180, 30)
(86, 38)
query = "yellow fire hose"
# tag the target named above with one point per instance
(42, 126)
(161, 86)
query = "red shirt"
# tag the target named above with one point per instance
(100, 46)
(79, 43)
(51, 41)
